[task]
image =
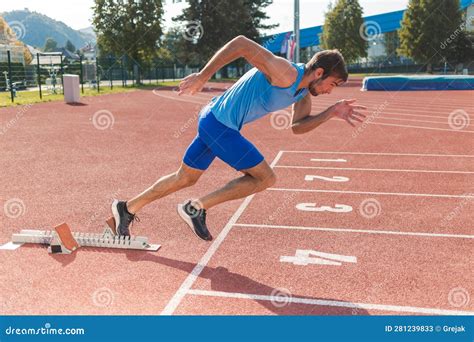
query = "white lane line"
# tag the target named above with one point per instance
(445, 118)
(350, 230)
(11, 246)
(181, 99)
(366, 169)
(333, 303)
(386, 154)
(383, 117)
(374, 193)
(421, 127)
(191, 278)
(388, 104)
(392, 112)
(373, 107)
(329, 160)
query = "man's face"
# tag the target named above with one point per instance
(320, 86)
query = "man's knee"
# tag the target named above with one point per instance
(268, 180)
(185, 178)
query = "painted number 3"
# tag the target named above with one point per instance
(338, 208)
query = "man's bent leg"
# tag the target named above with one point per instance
(256, 179)
(184, 177)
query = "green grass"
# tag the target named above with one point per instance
(27, 97)
(160, 84)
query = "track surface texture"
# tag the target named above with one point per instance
(372, 220)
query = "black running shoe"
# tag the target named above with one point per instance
(122, 217)
(195, 219)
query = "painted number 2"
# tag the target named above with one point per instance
(311, 178)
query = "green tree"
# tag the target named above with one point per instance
(426, 26)
(391, 42)
(50, 45)
(344, 30)
(206, 25)
(70, 46)
(461, 50)
(7, 36)
(129, 27)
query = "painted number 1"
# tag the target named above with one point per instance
(338, 208)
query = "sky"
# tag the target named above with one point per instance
(77, 13)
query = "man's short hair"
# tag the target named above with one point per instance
(331, 61)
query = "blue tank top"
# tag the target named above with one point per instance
(252, 97)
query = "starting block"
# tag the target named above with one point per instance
(62, 241)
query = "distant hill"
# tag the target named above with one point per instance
(39, 27)
(88, 33)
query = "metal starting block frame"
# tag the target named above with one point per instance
(63, 241)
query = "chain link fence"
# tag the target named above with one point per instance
(44, 73)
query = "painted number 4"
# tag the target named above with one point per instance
(305, 257)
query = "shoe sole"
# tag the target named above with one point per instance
(116, 216)
(187, 220)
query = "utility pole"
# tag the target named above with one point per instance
(297, 31)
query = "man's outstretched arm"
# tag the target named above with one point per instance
(278, 71)
(302, 121)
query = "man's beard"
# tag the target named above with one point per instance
(312, 87)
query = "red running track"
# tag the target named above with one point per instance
(381, 211)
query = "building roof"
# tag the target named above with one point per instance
(310, 36)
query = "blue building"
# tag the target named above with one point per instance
(379, 24)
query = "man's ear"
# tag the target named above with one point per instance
(318, 73)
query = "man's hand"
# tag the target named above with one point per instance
(347, 110)
(192, 84)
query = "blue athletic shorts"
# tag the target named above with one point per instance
(215, 139)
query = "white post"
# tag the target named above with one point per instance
(297, 31)
(71, 88)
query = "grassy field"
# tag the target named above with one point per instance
(27, 97)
